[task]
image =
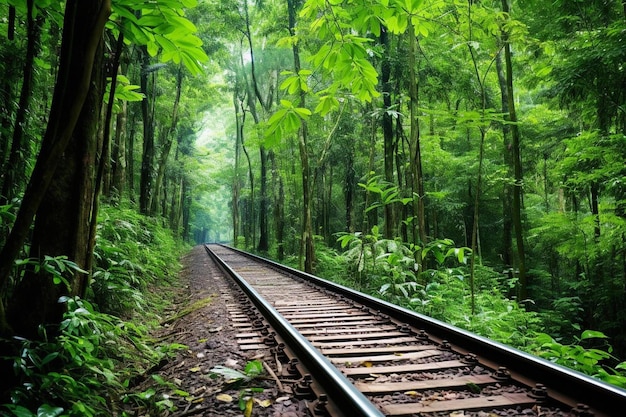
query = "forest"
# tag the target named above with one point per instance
(463, 158)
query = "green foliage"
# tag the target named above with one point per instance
(392, 269)
(55, 266)
(285, 121)
(235, 378)
(589, 360)
(124, 91)
(132, 252)
(152, 401)
(88, 365)
(386, 193)
(7, 214)
(84, 369)
(163, 28)
(496, 317)
(241, 380)
(327, 261)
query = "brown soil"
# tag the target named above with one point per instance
(201, 323)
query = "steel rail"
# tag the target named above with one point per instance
(561, 381)
(343, 393)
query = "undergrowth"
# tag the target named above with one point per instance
(132, 252)
(103, 344)
(434, 280)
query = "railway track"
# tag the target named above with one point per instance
(354, 355)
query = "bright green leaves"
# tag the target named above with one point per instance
(326, 104)
(345, 56)
(285, 121)
(387, 193)
(400, 13)
(412, 6)
(124, 91)
(296, 83)
(348, 64)
(163, 28)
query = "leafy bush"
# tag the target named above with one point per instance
(132, 251)
(386, 269)
(589, 360)
(84, 369)
(327, 260)
(88, 364)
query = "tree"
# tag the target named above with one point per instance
(516, 157)
(82, 35)
(72, 137)
(15, 166)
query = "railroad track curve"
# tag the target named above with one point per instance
(356, 355)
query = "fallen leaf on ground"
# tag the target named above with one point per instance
(263, 403)
(225, 398)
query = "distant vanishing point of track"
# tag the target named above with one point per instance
(354, 355)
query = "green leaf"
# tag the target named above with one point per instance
(191, 63)
(276, 117)
(183, 23)
(150, 20)
(48, 358)
(303, 112)
(123, 12)
(47, 410)
(254, 368)
(327, 104)
(153, 48)
(20, 411)
(593, 334)
(290, 84)
(286, 103)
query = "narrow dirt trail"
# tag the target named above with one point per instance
(201, 322)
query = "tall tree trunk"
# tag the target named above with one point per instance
(251, 223)
(349, 188)
(401, 174)
(116, 163)
(166, 145)
(15, 168)
(279, 210)
(104, 151)
(147, 157)
(118, 154)
(517, 164)
(507, 219)
(263, 244)
(82, 35)
(387, 125)
(130, 158)
(307, 248)
(415, 152)
(185, 209)
(236, 187)
(6, 115)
